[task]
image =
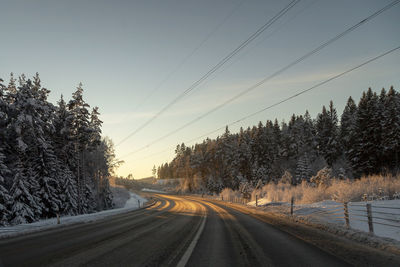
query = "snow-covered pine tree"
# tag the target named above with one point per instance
(80, 136)
(391, 130)
(89, 204)
(5, 198)
(327, 134)
(63, 144)
(65, 152)
(348, 127)
(68, 192)
(106, 196)
(364, 156)
(278, 151)
(309, 140)
(295, 136)
(244, 154)
(96, 153)
(271, 153)
(95, 125)
(25, 205)
(27, 132)
(303, 171)
(35, 125)
(10, 90)
(46, 170)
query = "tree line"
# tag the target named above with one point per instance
(366, 141)
(53, 159)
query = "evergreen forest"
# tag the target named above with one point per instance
(365, 140)
(53, 159)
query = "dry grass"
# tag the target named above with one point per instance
(228, 194)
(339, 190)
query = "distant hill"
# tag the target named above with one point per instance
(148, 180)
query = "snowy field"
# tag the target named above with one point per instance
(385, 214)
(152, 190)
(131, 204)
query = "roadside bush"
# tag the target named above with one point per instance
(336, 189)
(228, 193)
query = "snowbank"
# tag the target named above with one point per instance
(10, 231)
(134, 201)
(120, 196)
(152, 190)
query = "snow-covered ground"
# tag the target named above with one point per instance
(131, 204)
(152, 190)
(385, 214)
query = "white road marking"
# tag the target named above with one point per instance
(189, 251)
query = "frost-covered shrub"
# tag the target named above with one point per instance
(337, 189)
(257, 191)
(228, 194)
(287, 178)
(245, 190)
(323, 177)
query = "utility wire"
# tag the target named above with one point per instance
(232, 63)
(285, 99)
(325, 44)
(239, 57)
(179, 66)
(215, 68)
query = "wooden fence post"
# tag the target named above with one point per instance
(138, 201)
(256, 201)
(291, 205)
(346, 215)
(58, 218)
(370, 223)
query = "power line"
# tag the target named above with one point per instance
(295, 62)
(287, 98)
(179, 66)
(215, 68)
(261, 41)
(257, 44)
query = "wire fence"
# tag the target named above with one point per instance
(375, 214)
(348, 213)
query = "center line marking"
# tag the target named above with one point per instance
(189, 251)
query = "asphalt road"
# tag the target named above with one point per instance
(175, 231)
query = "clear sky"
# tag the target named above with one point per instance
(123, 50)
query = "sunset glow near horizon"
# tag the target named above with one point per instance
(135, 57)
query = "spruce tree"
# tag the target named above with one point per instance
(348, 126)
(80, 135)
(327, 134)
(364, 156)
(391, 130)
(303, 172)
(68, 192)
(5, 198)
(34, 126)
(25, 205)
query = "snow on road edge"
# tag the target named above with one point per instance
(152, 190)
(309, 214)
(21, 229)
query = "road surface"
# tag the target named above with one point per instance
(186, 231)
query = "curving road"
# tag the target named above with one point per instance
(191, 231)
